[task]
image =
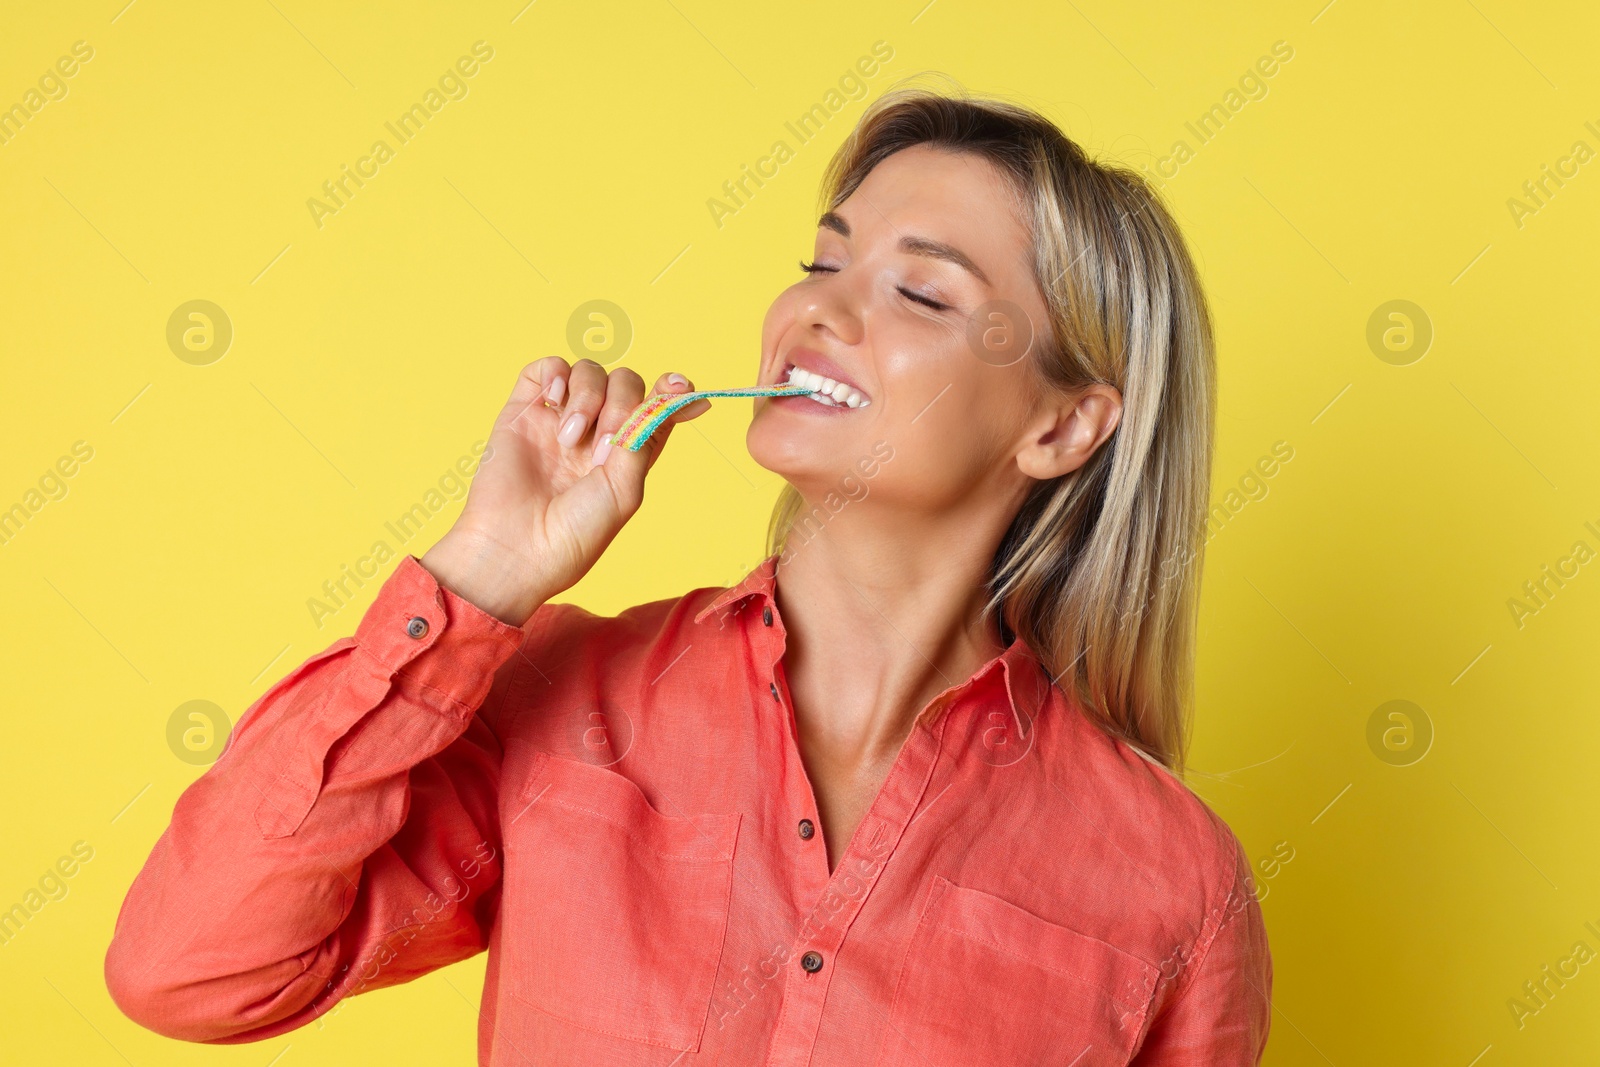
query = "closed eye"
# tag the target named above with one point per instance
(813, 268)
(919, 298)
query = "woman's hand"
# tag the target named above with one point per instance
(550, 492)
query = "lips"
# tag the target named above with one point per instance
(816, 371)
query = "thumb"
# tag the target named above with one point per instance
(623, 472)
(594, 508)
(608, 494)
(628, 469)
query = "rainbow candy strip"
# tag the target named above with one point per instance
(647, 417)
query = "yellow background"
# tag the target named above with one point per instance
(371, 353)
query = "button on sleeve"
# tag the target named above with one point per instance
(444, 663)
(411, 614)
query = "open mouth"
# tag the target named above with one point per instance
(829, 392)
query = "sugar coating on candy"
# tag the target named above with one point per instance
(647, 417)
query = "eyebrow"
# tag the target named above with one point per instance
(916, 246)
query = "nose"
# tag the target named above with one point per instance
(833, 304)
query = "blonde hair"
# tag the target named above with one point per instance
(1099, 572)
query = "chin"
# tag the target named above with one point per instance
(800, 454)
(781, 450)
(818, 461)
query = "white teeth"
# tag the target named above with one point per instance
(826, 391)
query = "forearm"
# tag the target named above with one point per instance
(332, 816)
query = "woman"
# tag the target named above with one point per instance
(904, 795)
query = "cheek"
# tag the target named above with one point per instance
(948, 454)
(779, 319)
(951, 447)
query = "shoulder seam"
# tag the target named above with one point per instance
(1226, 910)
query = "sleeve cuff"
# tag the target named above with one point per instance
(412, 613)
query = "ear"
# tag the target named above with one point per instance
(1066, 433)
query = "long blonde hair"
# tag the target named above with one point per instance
(1100, 570)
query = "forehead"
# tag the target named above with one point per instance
(955, 197)
(954, 179)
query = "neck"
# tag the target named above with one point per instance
(879, 623)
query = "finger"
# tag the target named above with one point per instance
(628, 482)
(624, 393)
(692, 410)
(676, 383)
(536, 385)
(672, 384)
(628, 393)
(586, 391)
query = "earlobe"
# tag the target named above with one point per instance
(1071, 434)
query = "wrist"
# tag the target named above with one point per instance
(485, 575)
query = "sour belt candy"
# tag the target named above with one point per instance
(660, 407)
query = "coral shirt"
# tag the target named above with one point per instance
(616, 809)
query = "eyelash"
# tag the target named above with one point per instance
(812, 268)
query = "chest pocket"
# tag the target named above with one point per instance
(986, 983)
(614, 913)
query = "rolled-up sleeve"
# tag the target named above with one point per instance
(347, 838)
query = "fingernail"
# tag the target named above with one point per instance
(677, 380)
(558, 389)
(602, 450)
(571, 430)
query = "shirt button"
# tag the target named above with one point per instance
(812, 962)
(807, 829)
(417, 627)
(766, 616)
(775, 696)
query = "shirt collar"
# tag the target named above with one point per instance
(1022, 674)
(760, 582)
